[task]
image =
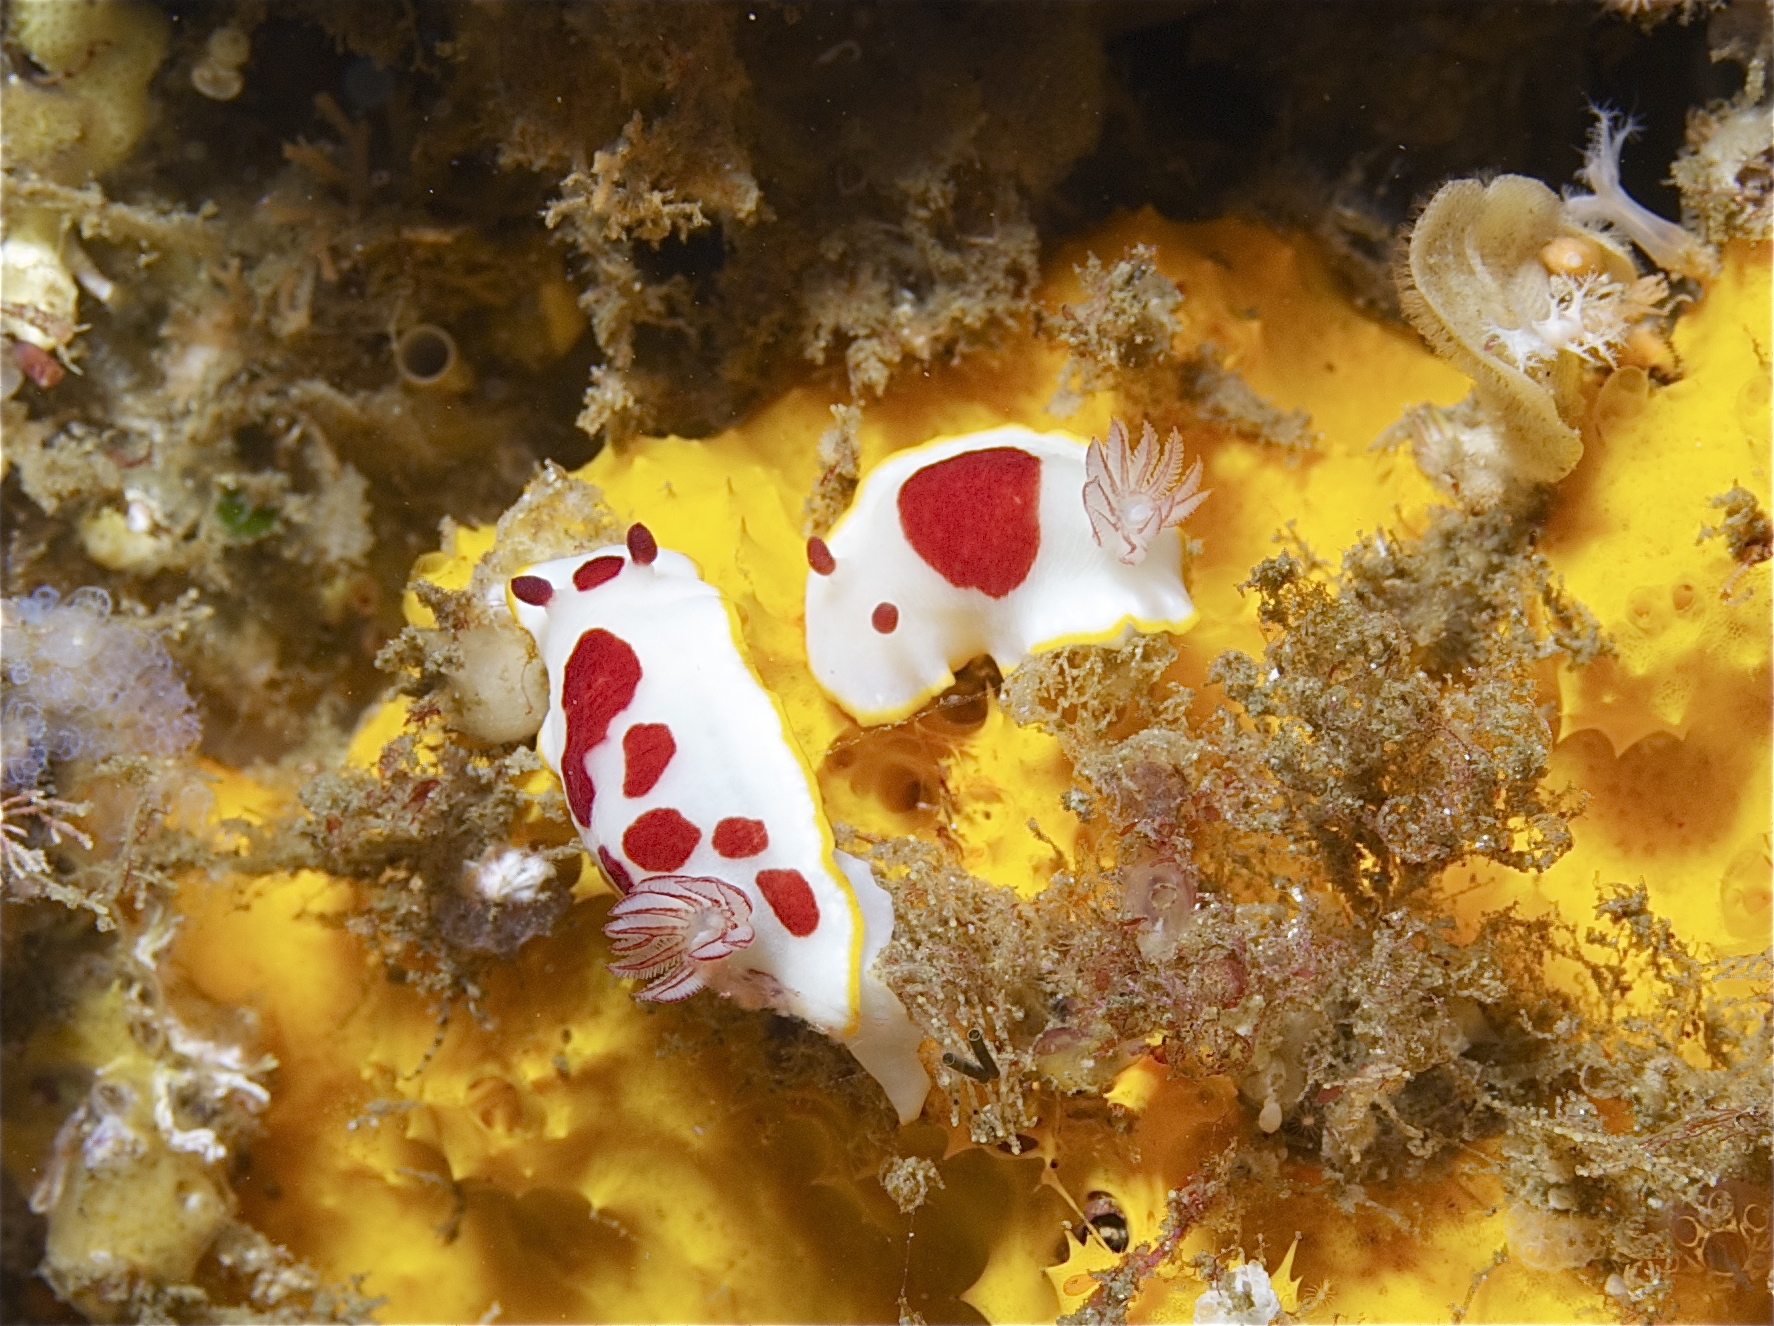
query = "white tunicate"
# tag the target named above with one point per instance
(111, 1142)
(1161, 894)
(1551, 1240)
(1243, 1298)
(42, 297)
(510, 875)
(81, 683)
(22, 743)
(1270, 1117)
(86, 272)
(92, 600)
(1278, 1072)
(217, 82)
(498, 691)
(229, 47)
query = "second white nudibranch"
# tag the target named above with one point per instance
(684, 780)
(971, 545)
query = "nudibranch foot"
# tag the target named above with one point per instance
(885, 1041)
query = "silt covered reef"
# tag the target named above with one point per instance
(1371, 922)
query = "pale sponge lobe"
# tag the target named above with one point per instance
(90, 108)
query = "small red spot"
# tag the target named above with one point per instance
(661, 840)
(884, 618)
(735, 837)
(641, 545)
(617, 872)
(597, 684)
(819, 557)
(975, 518)
(37, 364)
(791, 897)
(646, 749)
(533, 590)
(593, 573)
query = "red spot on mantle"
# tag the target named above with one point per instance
(791, 897)
(646, 749)
(661, 840)
(819, 557)
(735, 837)
(617, 872)
(593, 573)
(597, 684)
(885, 618)
(975, 518)
(533, 590)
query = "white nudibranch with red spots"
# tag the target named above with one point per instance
(982, 544)
(685, 781)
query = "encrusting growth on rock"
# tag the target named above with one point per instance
(1123, 327)
(1190, 894)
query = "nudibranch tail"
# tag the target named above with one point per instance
(1130, 493)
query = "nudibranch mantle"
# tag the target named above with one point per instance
(686, 783)
(978, 544)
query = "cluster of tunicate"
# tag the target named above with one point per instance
(1726, 172)
(1551, 1240)
(217, 76)
(1245, 1297)
(82, 684)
